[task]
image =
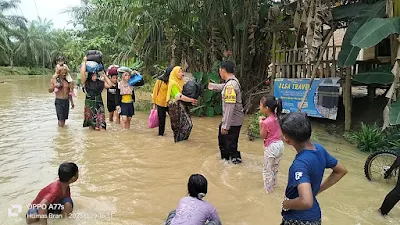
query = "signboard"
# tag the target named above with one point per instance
(322, 98)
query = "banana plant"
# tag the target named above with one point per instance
(210, 103)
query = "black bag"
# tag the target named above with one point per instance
(192, 89)
(94, 55)
(140, 83)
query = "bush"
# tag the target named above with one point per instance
(210, 103)
(254, 127)
(392, 135)
(370, 138)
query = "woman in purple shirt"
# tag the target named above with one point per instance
(192, 210)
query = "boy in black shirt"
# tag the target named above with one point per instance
(112, 99)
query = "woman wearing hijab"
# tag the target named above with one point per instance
(125, 97)
(160, 99)
(181, 123)
(94, 107)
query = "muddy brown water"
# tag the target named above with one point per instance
(138, 177)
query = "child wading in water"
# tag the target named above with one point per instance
(112, 99)
(64, 91)
(192, 210)
(300, 206)
(126, 98)
(55, 198)
(271, 133)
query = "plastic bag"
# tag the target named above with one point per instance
(192, 89)
(153, 119)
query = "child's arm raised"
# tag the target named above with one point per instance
(338, 172)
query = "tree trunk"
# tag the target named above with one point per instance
(347, 97)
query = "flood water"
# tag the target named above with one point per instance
(139, 177)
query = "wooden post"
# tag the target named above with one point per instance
(347, 99)
(273, 75)
(314, 72)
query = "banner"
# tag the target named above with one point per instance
(322, 98)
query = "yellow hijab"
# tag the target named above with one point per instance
(174, 80)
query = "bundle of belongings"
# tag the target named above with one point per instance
(94, 62)
(136, 78)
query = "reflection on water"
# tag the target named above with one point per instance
(139, 177)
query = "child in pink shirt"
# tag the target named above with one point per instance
(270, 131)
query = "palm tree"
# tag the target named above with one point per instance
(7, 20)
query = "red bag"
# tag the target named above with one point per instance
(153, 119)
(112, 70)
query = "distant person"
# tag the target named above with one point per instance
(62, 88)
(181, 123)
(393, 197)
(112, 99)
(55, 198)
(160, 99)
(126, 98)
(270, 131)
(300, 206)
(94, 115)
(232, 113)
(192, 209)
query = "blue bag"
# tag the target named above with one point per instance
(136, 80)
(93, 67)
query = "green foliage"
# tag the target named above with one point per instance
(254, 127)
(369, 138)
(366, 12)
(24, 71)
(210, 103)
(392, 135)
(394, 113)
(381, 75)
(375, 30)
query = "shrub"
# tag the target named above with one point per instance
(370, 138)
(254, 127)
(392, 135)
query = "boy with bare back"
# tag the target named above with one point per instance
(62, 87)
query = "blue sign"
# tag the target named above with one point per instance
(322, 98)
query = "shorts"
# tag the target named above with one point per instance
(111, 106)
(300, 222)
(127, 109)
(56, 210)
(62, 108)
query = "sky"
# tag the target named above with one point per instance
(50, 9)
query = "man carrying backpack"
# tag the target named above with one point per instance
(232, 112)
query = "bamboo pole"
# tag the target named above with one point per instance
(347, 99)
(314, 71)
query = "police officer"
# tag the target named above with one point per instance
(232, 112)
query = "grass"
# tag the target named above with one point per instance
(8, 71)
